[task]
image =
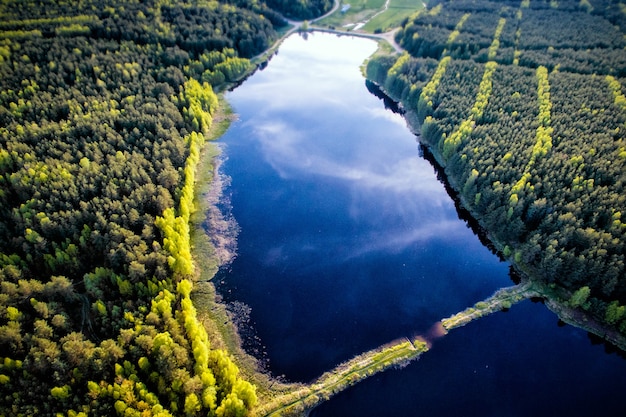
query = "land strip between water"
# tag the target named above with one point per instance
(392, 355)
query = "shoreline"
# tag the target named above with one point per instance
(269, 387)
(555, 303)
(218, 320)
(212, 312)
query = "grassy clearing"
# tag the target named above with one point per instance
(359, 11)
(362, 11)
(393, 16)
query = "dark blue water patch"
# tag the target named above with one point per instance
(318, 313)
(347, 239)
(513, 364)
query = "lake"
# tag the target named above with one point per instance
(349, 241)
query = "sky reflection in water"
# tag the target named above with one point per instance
(306, 132)
(348, 241)
(347, 238)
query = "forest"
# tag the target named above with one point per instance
(523, 105)
(105, 107)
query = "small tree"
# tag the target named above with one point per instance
(60, 393)
(579, 298)
(192, 404)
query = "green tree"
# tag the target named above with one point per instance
(580, 297)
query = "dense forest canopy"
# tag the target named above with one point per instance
(104, 109)
(523, 104)
(301, 9)
(105, 106)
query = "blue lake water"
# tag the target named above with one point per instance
(348, 241)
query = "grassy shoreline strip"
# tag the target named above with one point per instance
(212, 314)
(363, 366)
(394, 354)
(501, 300)
(211, 365)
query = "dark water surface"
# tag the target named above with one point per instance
(348, 241)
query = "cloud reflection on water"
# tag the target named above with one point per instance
(345, 229)
(305, 133)
(400, 181)
(336, 249)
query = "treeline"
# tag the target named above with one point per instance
(249, 29)
(535, 34)
(302, 9)
(535, 145)
(104, 110)
(201, 29)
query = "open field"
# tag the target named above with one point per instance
(372, 15)
(397, 10)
